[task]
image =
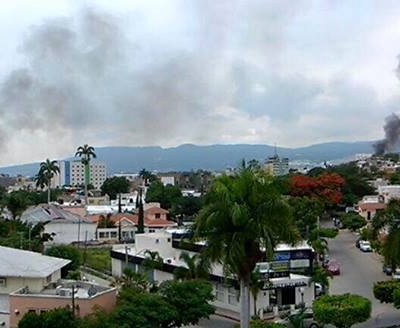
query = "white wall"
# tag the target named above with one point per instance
(67, 233)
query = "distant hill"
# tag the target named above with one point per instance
(214, 157)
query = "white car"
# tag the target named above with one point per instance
(396, 274)
(365, 246)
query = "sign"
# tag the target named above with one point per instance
(280, 266)
(294, 264)
(301, 254)
(263, 267)
(282, 256)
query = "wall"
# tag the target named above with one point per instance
(67, 233)
(21, 304)
(15, 283)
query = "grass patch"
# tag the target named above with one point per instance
(98, 259)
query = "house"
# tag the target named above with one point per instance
(287, 278)
(31, 281)
(80, 295)
(389, 192)
(368, 206)
(64, 226)
(21, 269)
(125, 224)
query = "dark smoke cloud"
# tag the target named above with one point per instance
(392, 134)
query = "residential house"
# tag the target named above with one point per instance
(368, 206)
(389, 192)
(64, 226)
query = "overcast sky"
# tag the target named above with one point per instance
(140, 73)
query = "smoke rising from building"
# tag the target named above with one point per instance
(392, 134)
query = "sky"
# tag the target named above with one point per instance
(142, 73)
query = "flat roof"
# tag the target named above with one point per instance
(21, 263)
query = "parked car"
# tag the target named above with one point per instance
(319, 290)
(365, 246)
(396, 274)
(334, 268)
(387, 269)
(358, 242)
(308, 321)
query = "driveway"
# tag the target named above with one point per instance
(359, 271)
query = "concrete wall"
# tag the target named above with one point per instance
(21, 304)
(67, 233)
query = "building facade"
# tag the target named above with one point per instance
(287, 278)
(277, 166)
(72, 173)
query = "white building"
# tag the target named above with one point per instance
(168, 180)
(287, 283)
(389, 192)
(24, 269)
(277, 166)
(72, 173)
(64, 226)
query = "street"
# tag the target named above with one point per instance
(215, 322)
(359, 271)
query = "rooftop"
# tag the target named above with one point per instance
(21, 263)
(63, 289)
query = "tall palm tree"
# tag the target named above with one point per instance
(256, 284)
(86, 153)
(46, 172)
(197, 267)
(243, 220)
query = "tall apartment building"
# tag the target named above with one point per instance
(277, 166)
(72, 173)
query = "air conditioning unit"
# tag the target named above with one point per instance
(169, 260)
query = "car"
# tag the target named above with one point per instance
(358, 242)
(333, 268)
(308, 321)
(387, 269)
(365, 246)
(396, 274)
(319, 289)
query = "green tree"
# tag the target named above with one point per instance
(389, 218)
(140, 212)
(191, 299)
(86, 153)
(147, 176)
(50, 319)
(114, 186)
(353, 221)
(383, 290)
(46, 172)
(67, 252)
(167, 196)
(105, 221)
(16, 204)
(342, 311)
(321, 276)
(197, 267)
(243, 220)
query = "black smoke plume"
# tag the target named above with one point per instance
(392, 134)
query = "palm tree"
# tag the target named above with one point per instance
(152, 260)
(105, 221)
(86, 153)
(243, 219)
(46, 172)
(197, 267)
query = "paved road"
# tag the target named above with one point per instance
(359, 272)
(215, 322)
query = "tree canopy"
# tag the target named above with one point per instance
(115, 185)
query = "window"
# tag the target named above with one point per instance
(220, 293)
(158, 215)
(102, 235)
(113, 234)
(31, 311)
(233, 296)
(48, 278)
(3, 282)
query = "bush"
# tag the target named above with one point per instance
(384, 290)
(343, 311)
(396, 298)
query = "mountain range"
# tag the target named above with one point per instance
(213, 157)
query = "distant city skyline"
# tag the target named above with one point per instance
(142, 73)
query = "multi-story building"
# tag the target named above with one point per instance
(72, 173)
(277, 166)
(287, 277)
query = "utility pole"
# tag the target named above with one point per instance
(20, 239)
(84, 253)
(127, 249)
(73, 300)
(29, 237)
(79, 231)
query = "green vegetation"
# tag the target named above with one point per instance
(98, 259)
(383, 290)
(342, 311)
(353, 221)
(46, 172)
(51, 319)
(114, 186)
(86, 153)
(243, 214)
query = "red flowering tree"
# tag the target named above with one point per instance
(326, 188)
